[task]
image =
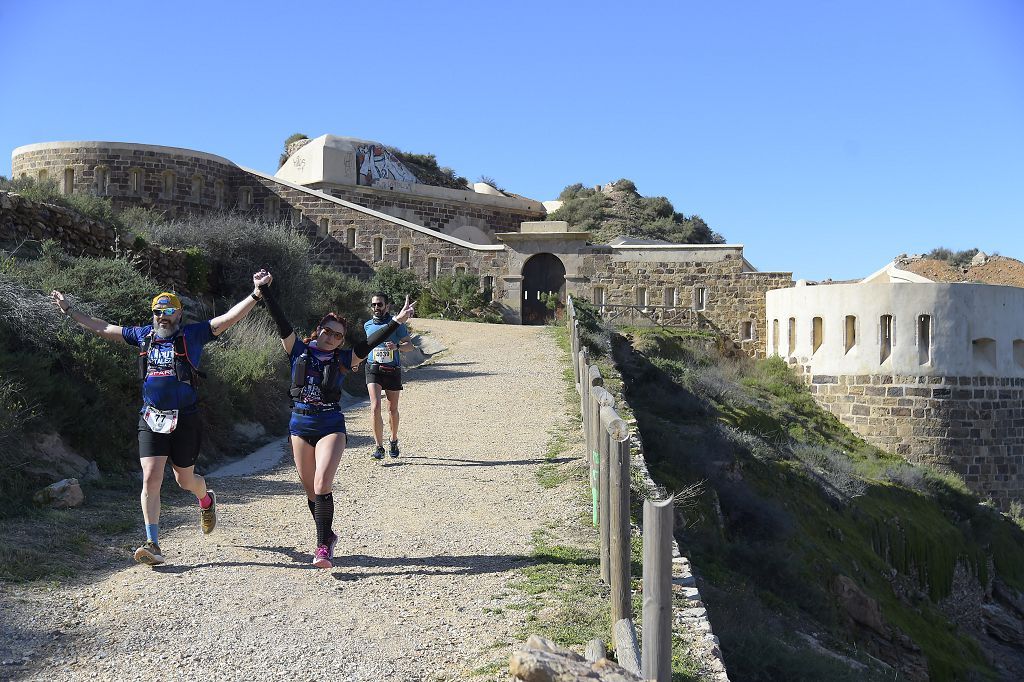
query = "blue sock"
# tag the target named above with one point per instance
(152, 532)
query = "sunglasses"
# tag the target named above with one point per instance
(377, 305)
(331, 333)
(167, 312)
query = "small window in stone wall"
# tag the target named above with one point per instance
(747, 331)
(272, 209)
(641, 296)
(599, 296)
(849, 333)
(460, 270)
(244, 198)
(791, 341)
(488, 288)
(43, 175)
(296, 217)
(1018, 352)
(69, 181)
(817, 334)
(403, 256)
(101, 177)
(668, 298)
(984, 353)
(169, 180)
(378, 249)
(775, 337)
(218, 194)
(924, 339)
(323, 228)
(432, 268)
(197, 188)
(700, 298)
(350, 237)
(885, 340)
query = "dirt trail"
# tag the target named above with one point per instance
(428, 545)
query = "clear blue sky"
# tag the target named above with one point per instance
(827, 137)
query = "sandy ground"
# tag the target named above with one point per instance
(428, 545)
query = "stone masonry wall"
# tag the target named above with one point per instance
(153, 166)
(437, 214)
(732, 296)
(971, 425)
(29, 222)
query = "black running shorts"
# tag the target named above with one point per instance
(389, 378)
(181, 445)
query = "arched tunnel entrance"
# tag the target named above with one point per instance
(543, 279)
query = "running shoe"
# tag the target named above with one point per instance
(378, 453)
(394, 449)
(322, 557)
(331, 545)
(208, 516)
(149, 554)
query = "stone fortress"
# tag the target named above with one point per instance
(932, 371)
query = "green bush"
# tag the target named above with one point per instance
(455, 297)
(197, 270)
(332, 291)
(397, 284)
(87, 204)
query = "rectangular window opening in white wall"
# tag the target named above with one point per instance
(700, 298)
(403, 256)
(849, 332)
(817, 334)
(775, 337)
(984, 353)
(791, 334)
(885, 341)
(378, 249)
(924, 339)
(350, 237)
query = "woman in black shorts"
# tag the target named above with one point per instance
(317, 426)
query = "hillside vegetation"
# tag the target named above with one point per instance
(617, 209)
(822, 557)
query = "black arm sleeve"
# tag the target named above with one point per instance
(274, 308)
(363, 348)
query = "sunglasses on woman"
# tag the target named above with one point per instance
(332, 334)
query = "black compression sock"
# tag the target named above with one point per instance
(323, 515)
(312, 508)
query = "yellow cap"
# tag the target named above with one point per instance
(166, 300)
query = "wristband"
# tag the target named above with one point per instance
(255, 297)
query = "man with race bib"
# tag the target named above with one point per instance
(169, 425)
(384, 372)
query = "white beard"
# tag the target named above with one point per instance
(165, 333)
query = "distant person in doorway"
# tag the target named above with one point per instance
(169, 425)
(317, 426)
(384, 372)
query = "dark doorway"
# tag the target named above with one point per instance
(543, 278)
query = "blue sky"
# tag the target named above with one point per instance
(827, 137)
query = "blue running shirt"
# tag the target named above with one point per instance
(161, 388)
(381, 355)
(326, 417)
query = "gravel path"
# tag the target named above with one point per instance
(428, 545)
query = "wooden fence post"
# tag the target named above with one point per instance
(656, 651)
(612, 429)
(621, 547)
(599, 397)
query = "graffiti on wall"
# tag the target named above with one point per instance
(374, 162)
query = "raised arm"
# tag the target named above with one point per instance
(362, 349)
(222, 323)
(284, 328)
(101, 328)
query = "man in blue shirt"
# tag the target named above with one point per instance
(169, 426)
(384, 372)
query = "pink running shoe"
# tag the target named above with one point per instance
(331, 545)
(322, 557)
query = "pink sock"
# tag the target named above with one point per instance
(206, 501)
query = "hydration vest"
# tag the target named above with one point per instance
(184, 370)
(330, 381)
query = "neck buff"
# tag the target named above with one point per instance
(382, 319)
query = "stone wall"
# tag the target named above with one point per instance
(436, 213)
(734, 298)
(971, 425)
(25, 222)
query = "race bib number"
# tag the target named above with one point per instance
(160, 421)
(382, 355)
